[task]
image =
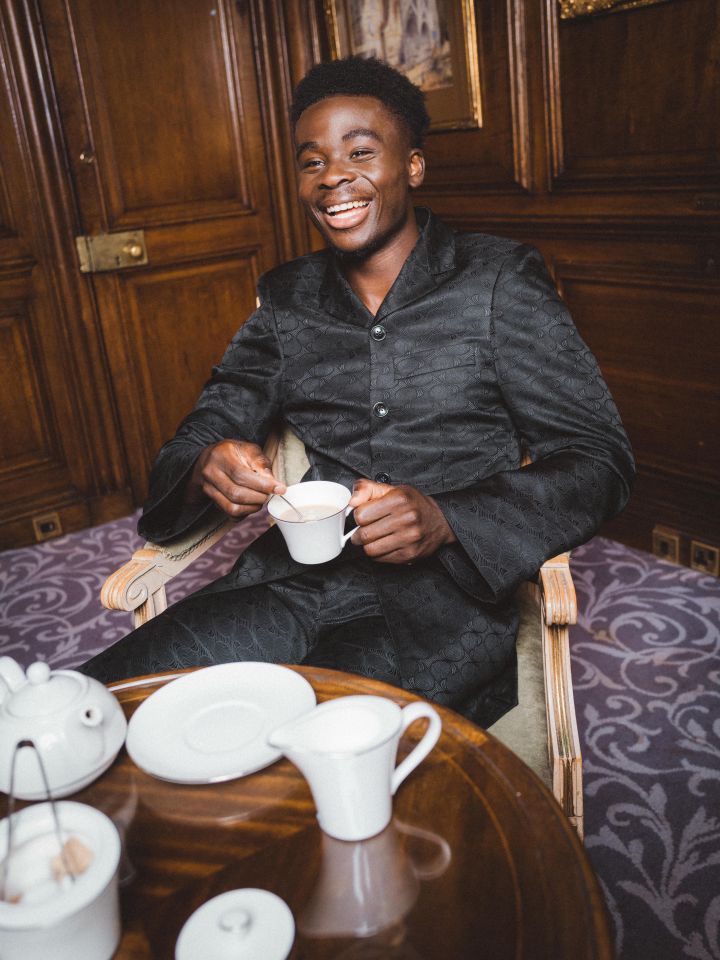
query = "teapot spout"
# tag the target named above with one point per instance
(297, 737)
(282, 738)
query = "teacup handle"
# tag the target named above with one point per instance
(346, 536)
(411, 713)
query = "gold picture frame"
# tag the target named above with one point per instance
(433, 43)
(570, 9)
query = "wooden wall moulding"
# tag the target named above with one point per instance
(6, 225)
(24, 440)
(656, 338)
(166, 122)
(157, 337)
(496, 159)
(569, 9)
(180, 145)
(434, 45)
(632, 100)
(287, 39)
(56, 446)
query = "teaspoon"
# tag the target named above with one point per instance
(292, 506)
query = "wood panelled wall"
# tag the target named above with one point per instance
(161, 116)
(599, 145)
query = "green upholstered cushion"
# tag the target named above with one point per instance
(524, 728)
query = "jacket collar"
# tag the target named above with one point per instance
(431, 258)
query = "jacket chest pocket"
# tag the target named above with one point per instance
(447, 363)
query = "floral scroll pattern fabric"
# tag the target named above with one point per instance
(646, 664)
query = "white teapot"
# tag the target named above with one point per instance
(75, 723)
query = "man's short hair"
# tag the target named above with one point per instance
(365, 77)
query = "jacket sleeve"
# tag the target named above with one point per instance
(582, 467)
(240, 401)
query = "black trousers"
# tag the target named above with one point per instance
(327, 616)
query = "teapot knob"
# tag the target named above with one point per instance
(38, 672)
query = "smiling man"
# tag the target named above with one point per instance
(417, 365)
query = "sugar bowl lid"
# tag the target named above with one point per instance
(45, 692)
(238, 925)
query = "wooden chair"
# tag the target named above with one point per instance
(541, 730)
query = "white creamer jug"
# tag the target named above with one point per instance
(346, 750)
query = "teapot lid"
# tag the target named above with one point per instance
(238, 925)
(45, 692)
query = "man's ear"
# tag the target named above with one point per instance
(416, 169)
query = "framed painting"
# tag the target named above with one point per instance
(569, 9)
(433, 42)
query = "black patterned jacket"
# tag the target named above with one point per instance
(471, 356)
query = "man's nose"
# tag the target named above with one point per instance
(334, 174)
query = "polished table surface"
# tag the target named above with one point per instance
(478, 862)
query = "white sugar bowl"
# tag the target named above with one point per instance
(75, 723)
(48, 916)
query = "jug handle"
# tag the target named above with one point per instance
(438, 864)
(411, 713)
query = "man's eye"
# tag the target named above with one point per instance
(312, 163)
(360, 153)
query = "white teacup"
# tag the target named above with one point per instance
(346, 749)
(313, 540)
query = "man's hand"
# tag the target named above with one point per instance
(235, 475)
(397, 524)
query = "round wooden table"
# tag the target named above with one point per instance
(478, 862)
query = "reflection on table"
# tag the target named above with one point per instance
(477, 862)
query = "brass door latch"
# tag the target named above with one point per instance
(111, 251)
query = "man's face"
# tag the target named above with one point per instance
(355, 170)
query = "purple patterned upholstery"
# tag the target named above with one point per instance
(646, 662)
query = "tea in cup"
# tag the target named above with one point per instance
(315, 533)
(346, 750)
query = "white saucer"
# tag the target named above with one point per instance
(212, 725)
(249, 924)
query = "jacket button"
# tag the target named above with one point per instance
(378, 332)
(380, 410)
(382, 478)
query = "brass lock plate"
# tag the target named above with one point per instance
(111, 251)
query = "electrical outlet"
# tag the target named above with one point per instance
(46, 526)
(705, 557)
(666, 544)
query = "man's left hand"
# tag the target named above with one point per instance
(397, 524)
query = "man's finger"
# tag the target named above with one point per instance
(390, 549)
(233, 492)
(232, 509)
(366, 490)
(391, 504)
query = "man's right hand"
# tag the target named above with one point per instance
(235, 475)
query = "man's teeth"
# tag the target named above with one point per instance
(352, 205)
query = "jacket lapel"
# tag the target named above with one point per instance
(432, 257)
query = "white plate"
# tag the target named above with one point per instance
(212, 725)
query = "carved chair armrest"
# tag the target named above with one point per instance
(558, 591)
(559, 610)
(139, 585)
